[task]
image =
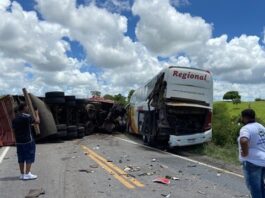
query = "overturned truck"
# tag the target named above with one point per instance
(62, 116)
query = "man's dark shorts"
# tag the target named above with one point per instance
(26, 152)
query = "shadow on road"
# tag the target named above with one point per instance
(14, 178)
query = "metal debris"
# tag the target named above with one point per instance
(33, 193)
(132, 169)
(167, 196)
(202, 193)
(93, 166)
(147, 174)
(162, 181)
(172, 178)
(86, 171)
(192, 165)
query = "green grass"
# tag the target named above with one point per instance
(229, 152)
(235, 109)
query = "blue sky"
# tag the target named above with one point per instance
(91, 50)
(233, 18)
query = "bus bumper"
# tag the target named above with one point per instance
(186, 140)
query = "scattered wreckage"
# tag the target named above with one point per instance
(62, 116)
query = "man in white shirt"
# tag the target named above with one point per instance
(252, 153)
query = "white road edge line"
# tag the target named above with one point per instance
(3, 154)
(185, 158)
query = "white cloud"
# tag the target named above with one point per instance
(99, 31)
(240, 60)
(165, 31)
(33, 53)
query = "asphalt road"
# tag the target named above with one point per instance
(103, 165)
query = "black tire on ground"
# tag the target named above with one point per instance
(81, 125)
(81, 129)
(61, 127)
(58, 100)
(72, 135)
(90, 127)
(62, 134)
(72, 129)
(54, 94)
(81, 135)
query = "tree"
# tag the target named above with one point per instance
(231, 95)
(95, 93)
(120, 99)
(108, 97)
(130, 95)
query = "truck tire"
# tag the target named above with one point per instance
(81, 101)
(72, 128)
(57, 100)
(54, 94)
(90, 127)
(72, 132)
(62, 134)
(70, 101)
(61, 127)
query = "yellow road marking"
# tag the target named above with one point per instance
(118, 173)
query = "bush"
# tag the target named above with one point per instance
(225, 129)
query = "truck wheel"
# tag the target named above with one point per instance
(57, 100)
(54, 94)
(90, 127)
(61, 127)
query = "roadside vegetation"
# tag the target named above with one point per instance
(226, 117)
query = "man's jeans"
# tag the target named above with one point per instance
(254, 176)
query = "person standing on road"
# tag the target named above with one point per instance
(24, 140)
(252, 153)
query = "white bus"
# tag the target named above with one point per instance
(174, 107)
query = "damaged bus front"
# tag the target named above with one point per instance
(175, 106)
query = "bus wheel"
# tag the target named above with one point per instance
(145, 139)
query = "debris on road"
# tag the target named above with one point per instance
(202, 193)
(126, 169)
(35, 193)
(162, 181)
(93, 166)
(153, 160)
(96, 147)
(172, 178)
(167, 196)
(192, 165)
(218, 174)
(163, 166)
(147, 174)
(132, 169)
(86, 171)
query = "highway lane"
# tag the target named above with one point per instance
(103, 165)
